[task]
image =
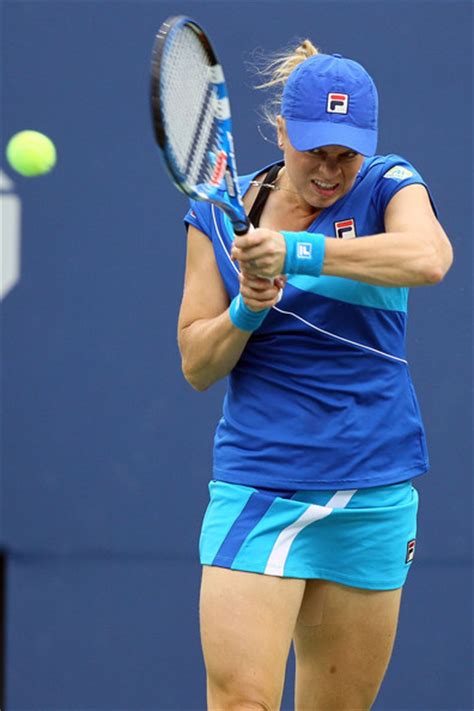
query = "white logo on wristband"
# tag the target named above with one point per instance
(304, 250)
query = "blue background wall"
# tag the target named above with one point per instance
(106, 450)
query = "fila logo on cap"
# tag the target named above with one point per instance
(410, 550)
(345, 229)
(337, 103)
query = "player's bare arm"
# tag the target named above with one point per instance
(209, 343)
(414, 250)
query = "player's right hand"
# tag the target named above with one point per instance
(259, 293)
(260, 252)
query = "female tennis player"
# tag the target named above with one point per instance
(311, 526)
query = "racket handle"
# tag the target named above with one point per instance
(243, 228)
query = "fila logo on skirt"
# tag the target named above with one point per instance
(410, 550)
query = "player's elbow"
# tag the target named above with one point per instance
(195, 378)
(447, 257)
(437, 263)
(191, 365)
(199, 374)
(432, 276)
(199, 385)
(433, 273)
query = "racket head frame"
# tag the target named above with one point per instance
(230, 200)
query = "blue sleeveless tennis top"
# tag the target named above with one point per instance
(321, 397)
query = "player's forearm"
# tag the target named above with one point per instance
(389, 259)
(405, 258)
(210, 348)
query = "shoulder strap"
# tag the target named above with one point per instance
(262, 196)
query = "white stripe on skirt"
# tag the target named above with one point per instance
(281, 548)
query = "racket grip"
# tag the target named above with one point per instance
(243, 228)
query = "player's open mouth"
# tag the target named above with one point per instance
(326, 189)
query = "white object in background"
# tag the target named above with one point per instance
(10, 233)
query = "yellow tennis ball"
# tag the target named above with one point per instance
(31, 153)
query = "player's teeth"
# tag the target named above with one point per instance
(325, 186)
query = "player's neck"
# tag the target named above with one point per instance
(283, 213)
(290, 207)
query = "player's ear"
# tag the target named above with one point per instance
(281, 131)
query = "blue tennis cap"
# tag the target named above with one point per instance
(329, 100)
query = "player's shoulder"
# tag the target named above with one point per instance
(383, 176)
(199, 215)
(391, 166)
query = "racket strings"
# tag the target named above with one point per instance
(190, 107)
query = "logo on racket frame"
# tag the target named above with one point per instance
(219, 169)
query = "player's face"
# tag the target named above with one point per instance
(321, 176)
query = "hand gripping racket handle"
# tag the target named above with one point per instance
(251, 228)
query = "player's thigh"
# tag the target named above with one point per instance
(247, 622)
(343, 642)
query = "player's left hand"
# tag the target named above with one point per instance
(259, 293)
(260, 252)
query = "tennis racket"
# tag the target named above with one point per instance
(191, 118)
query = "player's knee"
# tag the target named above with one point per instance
(239, 695)
(249, 706)
(240, 702)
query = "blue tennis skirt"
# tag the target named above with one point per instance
(363, 537)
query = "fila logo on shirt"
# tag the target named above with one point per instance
(345, 229)
(410, 550)
(337, 103)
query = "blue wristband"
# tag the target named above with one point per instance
(304, 253)
(243, 317)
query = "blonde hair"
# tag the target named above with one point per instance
(276, 72)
